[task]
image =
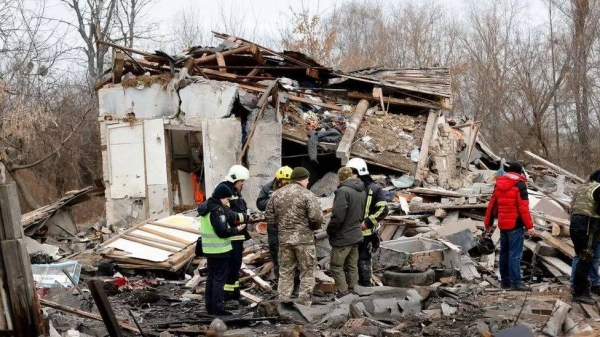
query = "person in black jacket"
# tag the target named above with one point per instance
(375, 210)
(344, 230)
(237, 213)
(216, 246)
(282, 178)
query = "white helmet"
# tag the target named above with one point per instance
(237, 172)
(359, 165)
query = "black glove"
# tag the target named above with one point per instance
(375, 241)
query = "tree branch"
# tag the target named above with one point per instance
(56, 150)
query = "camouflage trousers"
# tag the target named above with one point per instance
(303, 257)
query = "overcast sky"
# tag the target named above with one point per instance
(261, 20)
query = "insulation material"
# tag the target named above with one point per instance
(156, 237)
(140, 251)
(143, 252)
(187, 236)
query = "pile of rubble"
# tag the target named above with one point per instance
(438, 174)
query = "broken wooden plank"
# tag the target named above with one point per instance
(515, 313)
(163, 235)
(118, 63)
(589, 310)
(150, 244)
(108, 316)
(213, 57)
(273, 87)
(554, 325)
(166, 225)
(555, 167)
(352, 125)
(388, 232)
(251, 297)
(155, 240)
(556, 243)
(85, 314)
(310, 101)
(260, 282)
(378, 93)
(396, 101)
(221, 62)
(557, 263)
(15, 269)
(424, 153)
(26, 313)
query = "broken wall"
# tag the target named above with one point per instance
(136, 160)
(156, 101)
(264, 153)
(221, 142)
(135, 171)
(206, 99)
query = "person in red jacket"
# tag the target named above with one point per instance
(510, 205)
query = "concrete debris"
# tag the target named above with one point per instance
(181, 128)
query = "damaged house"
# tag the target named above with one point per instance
(166, 118)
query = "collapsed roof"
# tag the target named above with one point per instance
(317, 101)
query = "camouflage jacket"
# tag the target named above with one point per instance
(296, 212)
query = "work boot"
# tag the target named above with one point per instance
(244, 302)
(231, 305)
(520, 287)
(340, 294)
(584, 299)
(505, 286)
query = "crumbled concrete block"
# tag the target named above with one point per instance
(247, 332)
(207, 99)
(155, 101)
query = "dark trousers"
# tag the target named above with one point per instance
(273, 237)
(364, 262)
(583, 229)
(232, 285)
(215, 280)
(511, 252)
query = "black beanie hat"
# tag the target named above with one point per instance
(515, 167)
(221, 192)
(595, 176)
(299, 173)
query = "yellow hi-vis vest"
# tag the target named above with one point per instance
(372, 217)
(211, 243)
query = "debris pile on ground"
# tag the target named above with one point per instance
(432, 278)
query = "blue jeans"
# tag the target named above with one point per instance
(511, 252)
(594, 277)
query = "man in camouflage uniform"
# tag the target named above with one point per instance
(296, 212)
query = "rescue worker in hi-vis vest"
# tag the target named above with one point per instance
(237, 213)
(584, 230)
(376, 209)
(216, 246)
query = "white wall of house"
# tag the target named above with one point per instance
(136, 152)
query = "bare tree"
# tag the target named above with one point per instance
(585, 18)
(35, 125)
(309, 34)
(107, 20)
(188, 30)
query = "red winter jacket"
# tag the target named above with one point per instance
(509, 203)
